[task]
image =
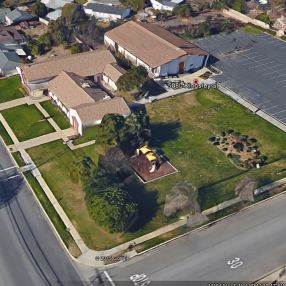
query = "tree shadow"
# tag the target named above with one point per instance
(164, 132)
(10, 185)
(146, 200)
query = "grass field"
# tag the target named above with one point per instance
(10, 88)
(51, 212)
(89, 134)
(5, 136)
(27, 122)
(56, 114)
(181, 127)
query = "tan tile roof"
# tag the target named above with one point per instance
(67, 90)
(114, 71)
(90, 103)
(83, 64)
(151, 43)
(90, 113)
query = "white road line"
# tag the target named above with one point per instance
(279, 112)
(3, 170)
(109, 278)
(270, 107)
(278, 81)
(10, 178)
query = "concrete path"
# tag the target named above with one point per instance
(20, 101)
(74, 147)
(57, 135)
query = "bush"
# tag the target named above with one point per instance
(134, 78)
(39, 9)
(212, 139)
(263, 17)
(113, 209)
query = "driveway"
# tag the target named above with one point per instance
(254, 66)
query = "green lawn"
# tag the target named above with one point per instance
(89, 134)
(56, 114)
(54, 217)
(18, 158)
(181, 127)
(10, 88)
(27, 122)
(5, 136)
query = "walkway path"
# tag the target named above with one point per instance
(20, 101)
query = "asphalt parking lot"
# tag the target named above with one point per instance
(254, 66)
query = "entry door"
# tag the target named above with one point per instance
(181, 67)
(75, 124)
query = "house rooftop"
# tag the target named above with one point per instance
(114, 71)
(56, 4)
(73, 90)
(90, 113)
(106, 2)
(9, 34)
(107, 9)
(90, 102)
(3, 13)
(151, 43)
(19, 15)
(83, 64)
(9, 60)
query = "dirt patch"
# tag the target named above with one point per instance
(163, 170)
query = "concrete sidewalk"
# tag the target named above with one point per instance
(20, 101)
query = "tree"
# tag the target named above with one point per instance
(75, 49)
(183, 10)
(134, 4)
(127, 133)
(134, 78)
(39, 9)
(73, 13)
(113, 209)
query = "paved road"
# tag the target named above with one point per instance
(254, 237)
(30, 254)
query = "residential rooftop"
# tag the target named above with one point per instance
(151, 43)
(106, 9)
(83, 64)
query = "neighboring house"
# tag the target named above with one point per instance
(111, 73)
(9, 34)
(167, 5)
(280, 24)
(106, 2)
(56, 4)
(9, 60)
(35, 77)
(106, 12)
(3, 13)
(54, 15)
(160, 52)
(13, 47)
(83, 103)
(16, 16)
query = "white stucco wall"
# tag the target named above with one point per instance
(107, 16)
(74, 114)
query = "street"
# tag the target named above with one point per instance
(30, 253)
(243, 247)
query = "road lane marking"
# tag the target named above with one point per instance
(140, 279)
(3, 170)
(10, 178)
(109, 278)
(235, 263)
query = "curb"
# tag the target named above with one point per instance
(51, 225)
(269, 273)
(209, 224)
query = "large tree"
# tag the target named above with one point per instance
(127, 133)
(134, 4)
(39, 9)
(113, 209)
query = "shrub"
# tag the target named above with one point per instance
(212, 139)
